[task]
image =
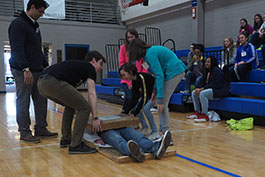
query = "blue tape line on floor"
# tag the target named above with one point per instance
(209, 166)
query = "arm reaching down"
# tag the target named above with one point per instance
(92, 98)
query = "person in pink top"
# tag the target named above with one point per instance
(130, 35)
(244, 28)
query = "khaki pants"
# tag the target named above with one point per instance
(65, 94)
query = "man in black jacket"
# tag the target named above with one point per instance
(26, 62)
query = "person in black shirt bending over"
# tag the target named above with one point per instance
(59, 82)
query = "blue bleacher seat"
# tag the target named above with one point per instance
(111, 81)
(113, 74)
(106, 90)
(239, 105)
(256, 76)
(248, 89)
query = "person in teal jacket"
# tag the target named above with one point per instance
(168, 71)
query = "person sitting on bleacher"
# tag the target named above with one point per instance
(246, 59)
(228, 56)
(214, 87)
(258, 39)
(195, 66)
(191, 53)
(244, 28)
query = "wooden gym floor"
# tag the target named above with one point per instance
(205, 149)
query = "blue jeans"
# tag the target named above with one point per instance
(202, 100)
(191, 78)
(119, 138)
(128, 96)
(149, 117)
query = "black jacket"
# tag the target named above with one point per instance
(142, 89)
(217, 82)
(26, 46)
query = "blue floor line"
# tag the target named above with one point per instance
(209, 166)
(55, 110)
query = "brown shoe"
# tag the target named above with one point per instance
(30, 139)
(45, 133)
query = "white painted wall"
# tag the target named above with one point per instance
(153, 6)
(59, 33)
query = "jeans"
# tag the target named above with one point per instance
(191, 78)
(65, 94)
(119, 138)
(24, 92)
(202, 100)
(149, 117)
(169, 88)
(128, 96)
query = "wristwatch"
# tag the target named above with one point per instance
(95, 118)
(26, 69)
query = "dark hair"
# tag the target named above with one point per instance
(129, 68)
(245, 33)
(256, 25)
(38, 4)
(137, 49)
(214, 63)
(94, 54)
(199, 46)
(132, 31)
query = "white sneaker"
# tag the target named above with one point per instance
(163, 145)
(185, 92)
(153, 110)
(194, 115)
(199, 120)
(154, 136)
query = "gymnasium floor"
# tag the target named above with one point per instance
(205, 149)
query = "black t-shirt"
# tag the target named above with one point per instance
(75, 72)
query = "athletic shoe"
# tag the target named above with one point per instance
(135, 151)
(185, 92)
(64, 143)
(163, 145)
(81, 149)
(154, 136)
(195, 115)
(202, 118)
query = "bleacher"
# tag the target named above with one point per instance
(246, 99)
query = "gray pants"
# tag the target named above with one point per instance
(65, 94)
(169, 88)
(24, 92)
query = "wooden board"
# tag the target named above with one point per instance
(117, 157)
(123, 121)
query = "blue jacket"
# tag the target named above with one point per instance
(248, 54)
(26, 47)
(165, 65)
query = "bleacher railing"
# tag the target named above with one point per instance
(220, 57)
(153, 36)
(112, 57)
(75, 10)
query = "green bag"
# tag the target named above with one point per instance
(243, 124)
